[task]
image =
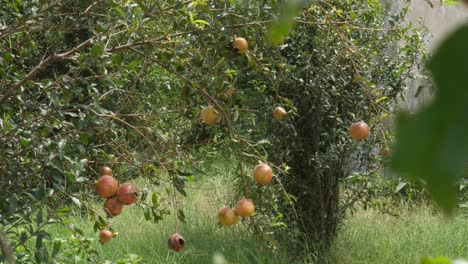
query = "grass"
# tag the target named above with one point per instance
(205, 240)
(366, 237)
(372, 237)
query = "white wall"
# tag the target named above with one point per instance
(440, 20)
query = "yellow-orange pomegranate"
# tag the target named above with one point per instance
(240, 45)
(176, 242)
(209, 115)
(127, 193)
(359, 131)
(227, 216)
(112, 207)
(245, 208)
(279, 113)
(385, 151)
(104, 170)
(226, 94)
(105, 236)
(106, 186)
(262, 174)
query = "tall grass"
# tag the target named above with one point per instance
(205, 240)
(373, 237)
(366, 237)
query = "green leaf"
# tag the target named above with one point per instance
(147, 213)
(39, 218)
(438, 260)
(154, 199)
(56, 247)
(199, 21)
(97, 50)
(24, 142)
(190, 179)
(39, 241)
(400, 186)
(285, 23)
(433, 144)
(181, 215)
(76, 201)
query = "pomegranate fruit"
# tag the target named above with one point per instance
(208, 115)
(262, 174)
(106, 186)
(227, 216)
(104, 170)
(127, 193)
(176, 242)
(359, 131)
(226, 94)
(279, 113)
(105, 236)
(385, 151)
(112, 207)
(245, 208)
(240, 45)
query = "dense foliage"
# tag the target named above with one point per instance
(87, 83)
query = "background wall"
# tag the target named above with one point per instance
(440, 20)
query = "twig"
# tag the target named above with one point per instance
(199, 88)
(138, 131)
(41, 66)
(6, 249)
(168, 37)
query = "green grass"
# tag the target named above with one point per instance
(204, 238)
(367, 237)
(372, 237)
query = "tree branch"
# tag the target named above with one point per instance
(41, 66)
(199, 88)
(168, 37)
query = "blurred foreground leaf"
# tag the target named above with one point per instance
(285, 22)
(433, 144)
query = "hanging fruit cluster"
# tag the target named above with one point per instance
(116, 196)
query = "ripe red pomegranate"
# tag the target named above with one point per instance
(240, 45)
(105, 236)
(245, 208)
(227, 216)
(262, 174)
(106, 186)
(279, 113)
(104, 170)
(359, 131)
(127, 193)
(176, 242)
(112, 207)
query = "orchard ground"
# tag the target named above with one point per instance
(365, 237)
